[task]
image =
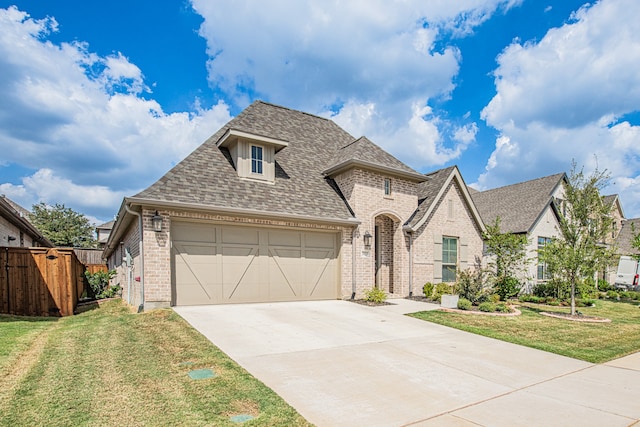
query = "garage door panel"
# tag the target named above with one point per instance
(244, 236)
(285, 238)
(320, 240)
(193, 232)
(250, 264)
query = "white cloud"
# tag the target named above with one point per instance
(362, 60)
(563, 98)
(78, 120)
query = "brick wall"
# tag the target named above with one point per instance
(451, 218)
(364, 190)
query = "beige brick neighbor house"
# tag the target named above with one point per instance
(280, 205)
(15, 228)
(531, 208)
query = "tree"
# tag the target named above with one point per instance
(635, 241)
(62, 225)
(509, 257)
(580, 250)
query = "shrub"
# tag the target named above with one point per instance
(470, 285)
(526, 298)
(375, 295)
(507, 287)
(495, 298)
(427, 289)
(464, 304)
(99, 284)
(603, 285)
(487, 307)
(442, 288)
(502, 308)
(612, 294)
(624, 295)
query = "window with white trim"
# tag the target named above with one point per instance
(256, 159)
(387, 186)
(449, 258)
(543, 269)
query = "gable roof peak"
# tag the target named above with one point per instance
(364, 153)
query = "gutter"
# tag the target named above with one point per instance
(410, 234)
(353, 263)
(239, 211)
(141, 251)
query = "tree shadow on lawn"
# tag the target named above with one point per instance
(6, 318)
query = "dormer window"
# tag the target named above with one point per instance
(256, 159)
(253, 155)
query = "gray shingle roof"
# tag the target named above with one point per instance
(518, 205)
(364, 152)
(428, 192)
(19, 216)
(207, 177)
(623, 240)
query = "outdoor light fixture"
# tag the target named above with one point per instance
(367, 240)
(11, 238)
(156, 220)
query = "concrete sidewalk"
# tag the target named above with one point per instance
(340, 363)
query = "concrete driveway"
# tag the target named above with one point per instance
(344, 364)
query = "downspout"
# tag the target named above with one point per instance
(353, 263)
(410, 234)
(141, 251)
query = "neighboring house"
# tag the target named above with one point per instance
(531, 208)
(280, 205)
(617, 215)
(15, 228)
(102, 233)
(625, 237)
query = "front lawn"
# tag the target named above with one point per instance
(111, 367)
(592, 342)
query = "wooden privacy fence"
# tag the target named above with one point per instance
(40, 281)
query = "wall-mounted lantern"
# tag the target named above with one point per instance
(367, 240)
(156, 220)
(10, 238)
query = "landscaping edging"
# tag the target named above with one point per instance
(585, 319)
(515, 312)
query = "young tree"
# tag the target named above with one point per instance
(509, 257)
(62, 225)
(580, 251)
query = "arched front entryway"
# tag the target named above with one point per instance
(384, 252)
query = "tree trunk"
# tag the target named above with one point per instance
(573, 297)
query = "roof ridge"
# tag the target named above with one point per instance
(523, 182)
(290, 109)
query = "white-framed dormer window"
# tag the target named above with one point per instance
(256, 159)
(387, 186)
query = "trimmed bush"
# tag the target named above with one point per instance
(502, 308)
(427, 289)
(495, 298)
(464, 304)
(612, 295)
(487, 307)
(99, 284)
(442, 288)
(375, 295)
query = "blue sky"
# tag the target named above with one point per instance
(97, 101)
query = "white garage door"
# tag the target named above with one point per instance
(215, 264)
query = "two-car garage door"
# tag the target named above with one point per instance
(215, 264)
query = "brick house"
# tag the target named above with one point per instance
(15, 228)
(280, 205)
(531, 208)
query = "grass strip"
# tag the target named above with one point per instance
(591, 342)
(111, 367)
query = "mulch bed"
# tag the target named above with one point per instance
(369, 303)
(474, 310)
(423, 299)
(577, 317)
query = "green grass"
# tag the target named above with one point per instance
(111, 367)
(592, 342)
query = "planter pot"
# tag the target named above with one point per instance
(449, 301)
